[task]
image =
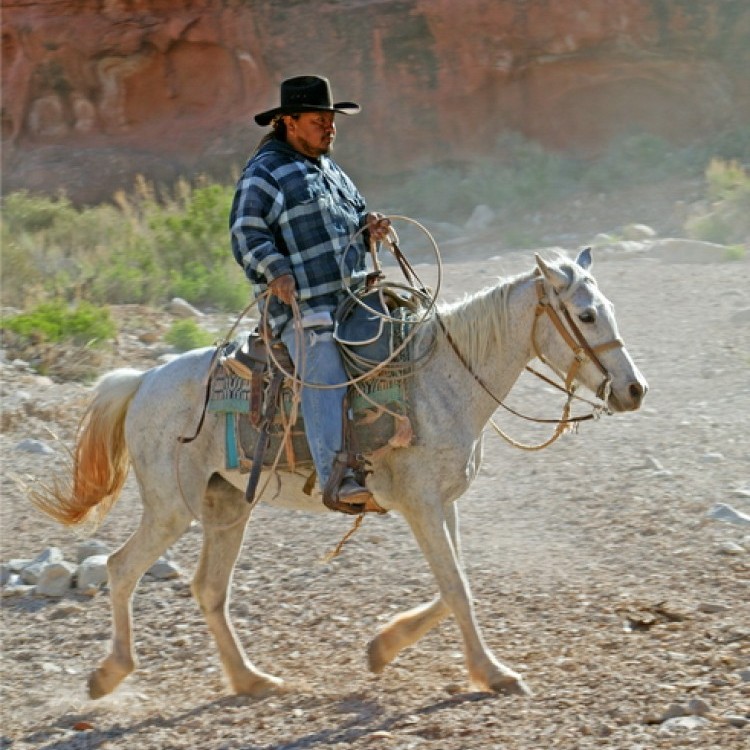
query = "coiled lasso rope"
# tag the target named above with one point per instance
(389, 367)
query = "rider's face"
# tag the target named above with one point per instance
(311, 133)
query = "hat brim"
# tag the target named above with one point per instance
(344, 108)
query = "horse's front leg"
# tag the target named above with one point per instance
(431, 528)
(407, 628)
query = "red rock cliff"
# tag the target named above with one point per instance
(95, 91)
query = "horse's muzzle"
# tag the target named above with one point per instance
(630, 397)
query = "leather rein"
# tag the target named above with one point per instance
(582, 351)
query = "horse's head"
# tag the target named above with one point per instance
(578, 337)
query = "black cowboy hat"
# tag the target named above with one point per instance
(306, 94)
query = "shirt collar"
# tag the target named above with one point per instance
(281, 147)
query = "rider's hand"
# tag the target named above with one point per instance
(378, 225)
(284, 288)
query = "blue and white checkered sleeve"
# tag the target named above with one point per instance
(256, 201)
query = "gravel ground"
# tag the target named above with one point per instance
(596, 569)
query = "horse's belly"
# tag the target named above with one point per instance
(282, 490)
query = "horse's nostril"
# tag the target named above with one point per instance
(636, 391)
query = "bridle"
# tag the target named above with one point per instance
(574, 338)
(582, 352)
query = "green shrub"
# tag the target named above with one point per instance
(727, 181)
(225, 289)
(520, 175)
(636, 158)
(185, 335)
(137, 250)
(727, 220)
(146, 248)
(20, 282)
(709, 227)
(736, 252)
(56, 321)
(193, 239)
(23, 212)
(517, 174)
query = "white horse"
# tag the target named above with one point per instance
(135, 419)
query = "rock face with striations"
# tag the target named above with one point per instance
(96, 91)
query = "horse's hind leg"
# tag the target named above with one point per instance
(125, 568)
(224, 518)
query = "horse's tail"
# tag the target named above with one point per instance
(100, 459)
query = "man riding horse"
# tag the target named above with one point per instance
(293, 218)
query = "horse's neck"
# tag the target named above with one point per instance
(492, 329)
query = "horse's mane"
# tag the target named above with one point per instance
(478, 321)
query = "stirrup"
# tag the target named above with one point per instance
(352, 492)
(333, 485)
(354, 509)
(358, 498)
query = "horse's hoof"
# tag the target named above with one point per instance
(511, 684)
(376, 658)
(96, 689)
(108, 676)
(99, 685)
(259, 686)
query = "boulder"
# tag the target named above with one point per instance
(182, 309)
(55, 579)
(92, 573)
(95, 94)
(31, 573)
(91, 547)
(637, 232)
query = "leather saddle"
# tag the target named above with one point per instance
(263, 365)
(253, 362)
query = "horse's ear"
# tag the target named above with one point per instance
(584, 259)
(555, 276)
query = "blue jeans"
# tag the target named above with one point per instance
(320, 363)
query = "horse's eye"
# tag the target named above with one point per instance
(587, 316)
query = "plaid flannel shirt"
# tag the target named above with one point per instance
(293, 214)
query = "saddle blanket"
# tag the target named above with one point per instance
(378, 413)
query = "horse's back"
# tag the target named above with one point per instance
(186, 373)
(169, 401)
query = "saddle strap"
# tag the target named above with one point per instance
(272, 397)
(256, 398)
(344, 460)
(206, 397)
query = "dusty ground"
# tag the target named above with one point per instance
(595, 569)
